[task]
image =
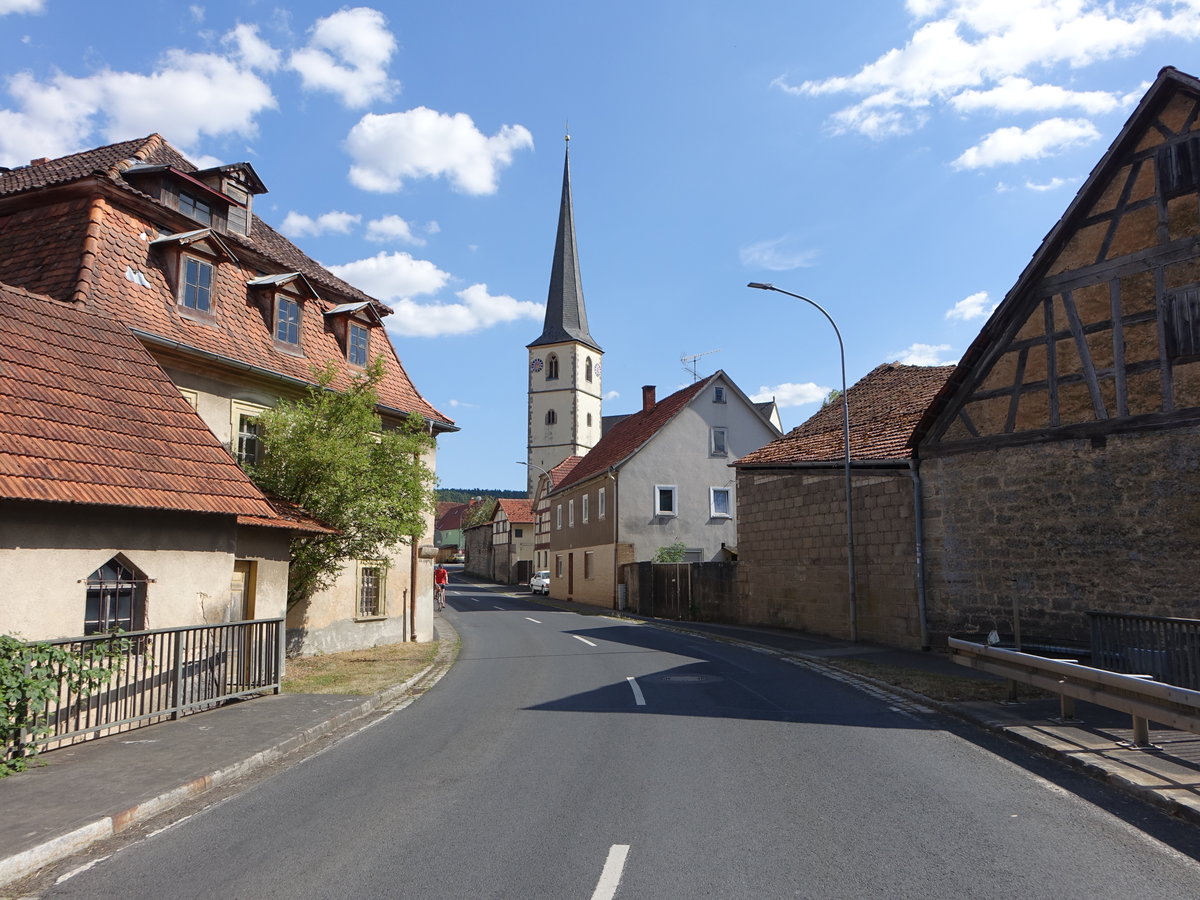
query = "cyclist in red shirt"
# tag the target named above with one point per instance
(441, 578)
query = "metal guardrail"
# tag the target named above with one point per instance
(166, 673)
(1165, 647)
(1143, 699)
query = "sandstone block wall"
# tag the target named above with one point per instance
(792, 569)
(1062, 528)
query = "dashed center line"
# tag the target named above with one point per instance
(585, 640)
(610, 878)
(534, 621)
(501, 608)
(638, 697)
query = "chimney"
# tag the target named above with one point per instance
(647, 397)
(41, 161)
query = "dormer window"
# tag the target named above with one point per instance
(195, 208)
(358, 345)
(193, 274)
(197, 284)
(287, 320)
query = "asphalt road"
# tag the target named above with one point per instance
(566, 756)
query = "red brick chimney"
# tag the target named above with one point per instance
(647, 397)
(40, 161)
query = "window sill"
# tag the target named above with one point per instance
(288, 349)
(200, 318)
(370, 618)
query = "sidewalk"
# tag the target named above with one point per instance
(91, 791)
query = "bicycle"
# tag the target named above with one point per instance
(439, 595)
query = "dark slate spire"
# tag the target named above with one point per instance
(566, 317)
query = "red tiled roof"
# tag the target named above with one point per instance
(628, 435)
(43, 249)
(560, 472)
(885, 407)
(87, 416)
(516, 510)
(288, 516)
(449, 516)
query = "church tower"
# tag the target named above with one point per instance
(564, 363)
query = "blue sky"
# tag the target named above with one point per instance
(898, 162)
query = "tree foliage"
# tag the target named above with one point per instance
(32, 675)
(479, 513)
(672, 553)
(328, 453)
(465, 495)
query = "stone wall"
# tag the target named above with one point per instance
(792, 570)
(1108, 523)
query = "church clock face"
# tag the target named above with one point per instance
(536, 365)
(597, 369)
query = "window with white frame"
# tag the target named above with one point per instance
(558, 567)
(358, 344)
(720, 503)
(558, 517)
(719, 442)
(571, 513)
(600, 503)
(718, 394)
(246, 443)
(665, 500)
(287, 320)
(583, 508)
(192, 397)
(371, 590)
(196, 289)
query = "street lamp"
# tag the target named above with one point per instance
(846, 442)
(549, 477)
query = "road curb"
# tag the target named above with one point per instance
(27, 862)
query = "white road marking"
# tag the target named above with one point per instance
(637, 691)
(585, 640)
(82, 869)
(610, 878)
(534, 621)
(501, 608)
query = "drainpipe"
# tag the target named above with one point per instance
(412, 577)
(919, 535)
(616, 588)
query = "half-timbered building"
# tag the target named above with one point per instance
(1061, 463)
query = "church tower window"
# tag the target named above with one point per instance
(551, 418)
(552, 367)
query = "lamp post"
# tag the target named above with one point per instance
(853, 589)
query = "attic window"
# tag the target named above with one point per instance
(197, 284)
(287, 320)
(358, 344)
(1178, 167)
(195, 208)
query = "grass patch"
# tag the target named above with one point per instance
(934, 685)
(358, 672)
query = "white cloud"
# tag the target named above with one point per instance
(197, 12)
(299, 225)
(974, 56)
(788, 394)
(924, 355)
(972, 307)
(1015, 95)
(462, 404)
(423, 143)
(185, 97)
(393, 276)
(1052, 185)
(1014, 144)
(779, 254)
(21, 6)
(612, 395)
(252, 50)
(348, 55)
(392, 228)
(477, 310)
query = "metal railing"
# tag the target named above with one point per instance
(1166, 648)
(166, 673)
(1143, 699)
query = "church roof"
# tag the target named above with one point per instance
(566, 317)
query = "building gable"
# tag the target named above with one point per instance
(1102, 331)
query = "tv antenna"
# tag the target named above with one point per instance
(692, 359)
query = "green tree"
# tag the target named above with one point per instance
(480, 512)
(328, 453)
(672, 553)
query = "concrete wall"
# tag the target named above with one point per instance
(1062, 528)
(792, 569)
